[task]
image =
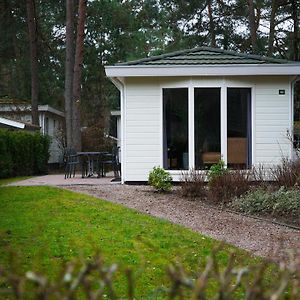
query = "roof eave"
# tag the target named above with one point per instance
(47, 108)
(202, 70)
(12, 123)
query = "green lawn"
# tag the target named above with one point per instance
(48, 226)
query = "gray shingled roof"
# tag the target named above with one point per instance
(204, 56)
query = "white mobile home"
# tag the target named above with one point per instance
(190, 108)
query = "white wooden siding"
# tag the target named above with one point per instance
(272, 120)
(143, 120)
(142, 128)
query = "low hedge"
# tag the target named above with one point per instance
(280, 203)
(23, 153)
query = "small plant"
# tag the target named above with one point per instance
(216, 170)
(160, 179)
(193, 183)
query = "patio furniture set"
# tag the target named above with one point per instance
(93, 163)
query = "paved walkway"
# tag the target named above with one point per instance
(59, 180)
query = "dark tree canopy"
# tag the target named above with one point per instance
(118, 30)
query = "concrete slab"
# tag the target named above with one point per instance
(59, 180)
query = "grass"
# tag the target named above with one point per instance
(4, 181)
(48, 226)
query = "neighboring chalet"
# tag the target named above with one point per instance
(11, 124)
(51, 122)
(191, 108)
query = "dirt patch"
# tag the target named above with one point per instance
(259, 237)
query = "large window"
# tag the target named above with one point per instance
(207, 121)
(207, 118)
(175, 135)
(238, 127)
(297, 115)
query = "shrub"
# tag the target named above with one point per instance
(193, 183)
(23, 153)
(5, 156)
(229, 184)
(160, 179)
(279, 203)
(216, 170)
(287, 174)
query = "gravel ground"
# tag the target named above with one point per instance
(258, 237)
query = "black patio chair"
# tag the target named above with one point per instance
(117, 163)
(71, 161)
(110, 159)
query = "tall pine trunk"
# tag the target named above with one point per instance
(296, 37)
(252, 26)
(69, 67)
(272, 28)
(211, 25)
(32, 30)
(76, 123)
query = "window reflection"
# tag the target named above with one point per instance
(175, 136)
(238, 127)
(207, 127)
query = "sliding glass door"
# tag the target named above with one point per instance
(207, 120)
(175, 126)
(239, 128)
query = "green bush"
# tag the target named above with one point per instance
(23, 153)
(5, 157)
(160, 179)
(279, 203)
(216, 170)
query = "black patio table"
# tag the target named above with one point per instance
(91, 157)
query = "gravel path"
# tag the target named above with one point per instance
(259, 237)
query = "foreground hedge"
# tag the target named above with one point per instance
(23, 153)
(94, 280)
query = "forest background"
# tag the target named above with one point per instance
(118, 31)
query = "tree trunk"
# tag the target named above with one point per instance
(296, 36)
(252, 25)
(76, 124)
(32, 30)
(211, 25)
(272, 28)
(69, 67)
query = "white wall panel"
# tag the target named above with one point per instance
(143, 128)
(272, 120)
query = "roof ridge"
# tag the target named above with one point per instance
(204, 48)
(155, 57)
(254, 56)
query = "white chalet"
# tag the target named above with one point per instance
(188, 109)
